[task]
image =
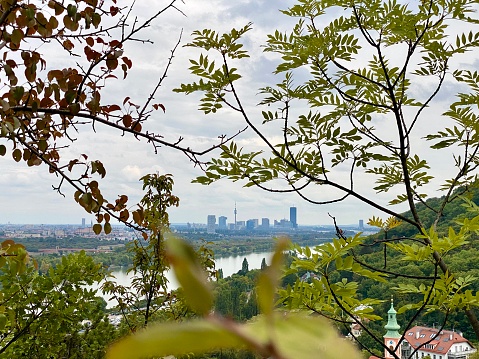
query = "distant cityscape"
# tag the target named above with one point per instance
(211, 227)
(222, 225)
(250, 224)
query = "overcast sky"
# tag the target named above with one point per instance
(26, 194)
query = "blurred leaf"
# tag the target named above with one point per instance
(302, 336)
(295, 336)
(174, 339)
(269, 278)
(190, 275)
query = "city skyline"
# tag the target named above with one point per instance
(250, 223)
(220, 220)
(210, 219)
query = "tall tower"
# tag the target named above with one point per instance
(235, 215)
(293, 217)
(392, 336)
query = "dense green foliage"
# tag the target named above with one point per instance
(357, 88)
(53, 315)
(235, 296)
(35, 244)
(451, 216)
(462, 261)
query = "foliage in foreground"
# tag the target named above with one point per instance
(368, 125)
(273, 334)
(55, 314)
(358, 88)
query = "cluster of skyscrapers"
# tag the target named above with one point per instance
(250, 224)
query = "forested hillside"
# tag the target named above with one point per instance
(454, 212)
(377, 253)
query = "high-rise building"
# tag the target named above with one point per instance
(361, 225)
(83, 222)
(265, 223)
(293, 217)
(222, 222)
(211, 224)
(250, 224)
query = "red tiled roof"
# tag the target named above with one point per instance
(442, 342)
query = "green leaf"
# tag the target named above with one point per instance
(301, 336)
(293, 335)
(269, 278)
(190, 275)
(3, 321)
(18, 92)
(174, 339)
(17, 36)
(3, 150)
(107, 228)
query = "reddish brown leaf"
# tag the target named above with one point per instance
(11, 63)
(46, 102)
(127, 61)
(67, 44)
(71, 164)
(55, 74)
(17, 155)
(113, 108)
(114, 10)
(90, 41)
(115, 43)
(112, 64)
(124, 215)
(127, 120)
(137, 127)
(159, 105)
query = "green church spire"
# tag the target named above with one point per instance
(392, 327)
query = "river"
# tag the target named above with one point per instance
(229, 265)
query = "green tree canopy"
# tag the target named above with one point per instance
(359, 83)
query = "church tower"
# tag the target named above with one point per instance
(392, 336)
